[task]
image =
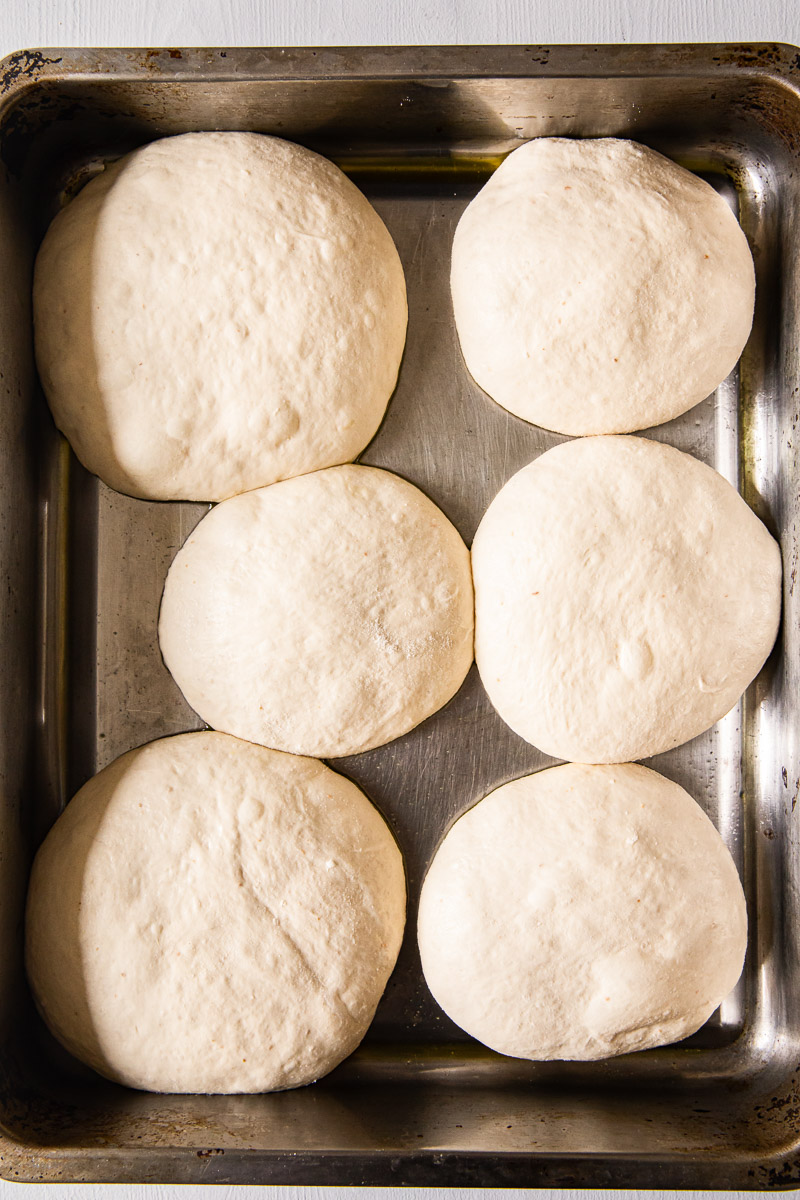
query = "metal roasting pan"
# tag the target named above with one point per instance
(81, 680)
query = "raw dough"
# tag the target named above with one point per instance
(581, 913)
(214, 312)
(212, 916)
(323, 615)
(598, 287)
(625, 597)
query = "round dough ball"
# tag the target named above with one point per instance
(625, 597)
(580, 913)
(598, 287)
(214, 312)
(323, 615)
(212, 916)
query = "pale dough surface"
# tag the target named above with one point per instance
(323, 615)
(580, 913)
(214, 312)
(599, 287)
(625, 597)
(212, 916)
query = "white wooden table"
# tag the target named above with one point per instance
(34, 23)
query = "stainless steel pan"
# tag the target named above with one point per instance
(81, 571)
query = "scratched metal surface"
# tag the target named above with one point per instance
(420, 148)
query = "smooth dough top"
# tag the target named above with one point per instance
(580, 913)
(214, 312)
(211, 916)
(598, 287)
(625, 596)
(323, 615)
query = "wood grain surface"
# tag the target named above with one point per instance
(31, 23)
(27, 23)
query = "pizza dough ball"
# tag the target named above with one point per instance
(625, 597)
(212, 916)
(214, 312)
(323, 615)
(598, 287)
(580, 913)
